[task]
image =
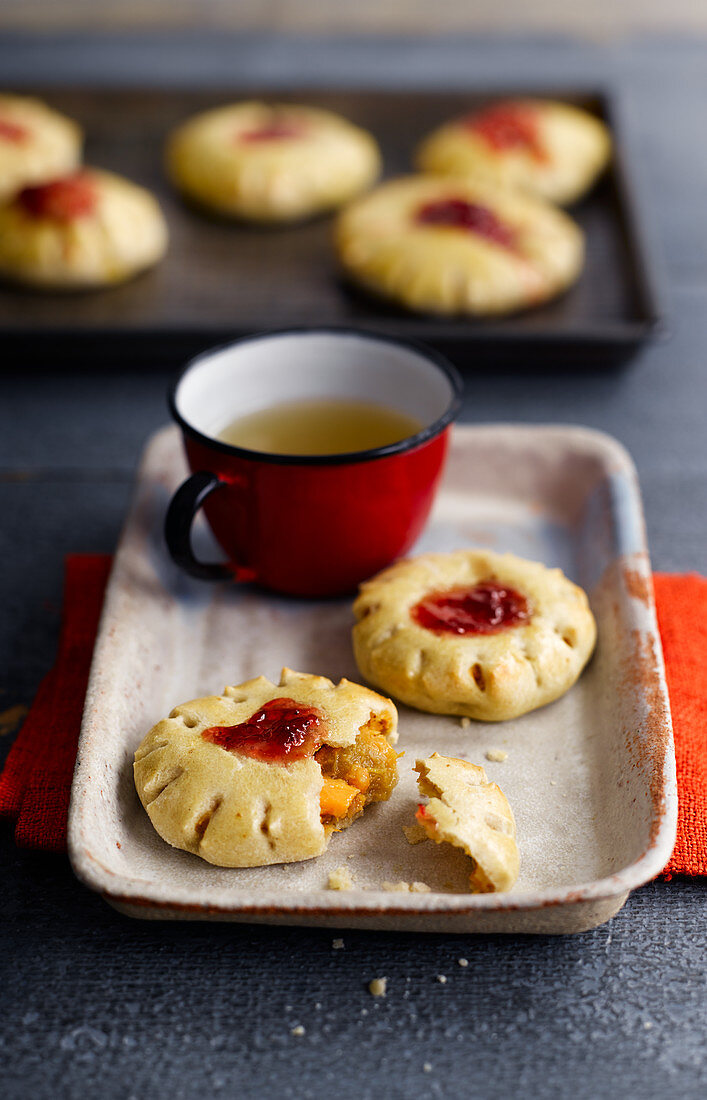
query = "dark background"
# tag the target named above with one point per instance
(97, 1004)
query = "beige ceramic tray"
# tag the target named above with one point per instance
(591, 777)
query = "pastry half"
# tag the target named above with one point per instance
(85, 230)
(467, 811)
(265, 773)
(490, 636)
(545, 148)
(450, 247)
(36, 144)
(271, 163)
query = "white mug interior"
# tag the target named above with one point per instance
(254, 374)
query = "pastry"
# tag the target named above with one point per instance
(266, 772)
(545, 148)
(87, 229)
(465, 810)
(473, 633)
(36, 144)
(271, 163)
(455, 247)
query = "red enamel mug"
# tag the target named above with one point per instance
(308, 525)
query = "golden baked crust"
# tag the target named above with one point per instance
(121, 232)
(484, 676)
(573, 148)
(237, 811)
(36, 144)
(465, 810)
(321, 161)
(440, 268)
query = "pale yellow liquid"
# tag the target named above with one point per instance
(321, 427)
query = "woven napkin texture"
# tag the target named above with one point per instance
(36, 782)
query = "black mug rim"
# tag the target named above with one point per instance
(409, 443)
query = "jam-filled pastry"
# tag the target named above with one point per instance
(455, 247)
(84, 230)
(271, 163)
(465, 810)
(490, 636)
(545, 148)
(36, 144)
(265, 773)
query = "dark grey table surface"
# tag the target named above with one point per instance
(97, 1004)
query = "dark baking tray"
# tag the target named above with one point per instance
(221, 280)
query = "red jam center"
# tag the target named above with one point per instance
(274, 131)
(460, 214)
(282, 731)
(62, 200)
(487, 608)
(509, 126)
(10, 131)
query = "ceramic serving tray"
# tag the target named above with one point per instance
(591, 777)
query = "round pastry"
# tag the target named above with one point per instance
(455, 247)
(36, 144)
(88, 229)
(490, 636)
(265, 773)
(465, 810)
(278, 163)
(545, 148)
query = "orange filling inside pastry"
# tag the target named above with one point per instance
(356, 776)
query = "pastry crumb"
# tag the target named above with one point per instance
(465, 722)
(427, 1067)
(463, 962)
(377, 987)
(496, 755)
(299, 1030)
(340, 879)
(442, 979)
(337, 944)
(420, 888)
(553, 782)
(414, 834)
(396, 887)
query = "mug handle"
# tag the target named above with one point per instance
(183, 507)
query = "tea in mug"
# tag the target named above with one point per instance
(320, 427)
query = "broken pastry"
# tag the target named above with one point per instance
(265, 773)
(472, 632)
(465, 810)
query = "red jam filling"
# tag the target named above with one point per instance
(281, 732)
(10, 131)
(274, 131)
(460, 214)
(62, 200)
(509, 126)
(487, 608)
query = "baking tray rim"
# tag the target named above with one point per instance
(127, 890)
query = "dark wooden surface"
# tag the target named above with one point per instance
(97, 1004)
(221, 279)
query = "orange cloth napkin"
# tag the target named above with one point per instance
(36, 781)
